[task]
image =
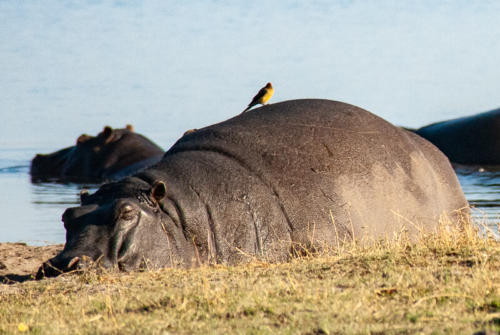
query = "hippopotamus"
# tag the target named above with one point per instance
(471, 140)
(112, 154)
(269, 184)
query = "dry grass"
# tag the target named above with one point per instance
(448, 282)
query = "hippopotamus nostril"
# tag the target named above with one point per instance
(73, 263)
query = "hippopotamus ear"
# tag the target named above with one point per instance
(82, 138)
(190, 131)
(158, 190)
(107, 131)
(84, 194)
(130, 127)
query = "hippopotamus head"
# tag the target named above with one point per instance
(123, 226)
(95, 158)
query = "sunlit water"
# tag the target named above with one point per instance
(72, 67)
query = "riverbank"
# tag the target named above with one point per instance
(18, 260)
(447, 282)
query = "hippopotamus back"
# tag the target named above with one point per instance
(471, 140)
(331, 169)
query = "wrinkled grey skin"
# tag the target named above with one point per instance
(111, 155)
(472, 140)
(291, 175)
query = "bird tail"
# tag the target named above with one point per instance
(249, 106)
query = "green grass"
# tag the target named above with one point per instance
(446, 283)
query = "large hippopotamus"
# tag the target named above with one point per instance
(472, 140)
(278, 180)
(111, 155)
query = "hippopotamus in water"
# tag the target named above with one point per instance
(291, 176)
(472, 140)
(112, 154)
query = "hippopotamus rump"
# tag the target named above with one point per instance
(472, 140)
(291, 176)
(112, 154)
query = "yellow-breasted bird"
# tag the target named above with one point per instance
(262, 97)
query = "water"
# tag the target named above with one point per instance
(72, 67)
(482, 189)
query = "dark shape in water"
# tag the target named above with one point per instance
(472, 140)
(111, 155)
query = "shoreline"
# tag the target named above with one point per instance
(18, 260)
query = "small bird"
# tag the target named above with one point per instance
(262, 97)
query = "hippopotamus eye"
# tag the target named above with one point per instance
(127, 212)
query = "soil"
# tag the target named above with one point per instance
(20, 262)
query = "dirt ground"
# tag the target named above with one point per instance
(18, 261)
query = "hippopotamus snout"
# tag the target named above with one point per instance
(90, 238)
(37, 164)
(57, 266)
(40, 157)
(62, 264)
(43, 166)
(75, 256)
